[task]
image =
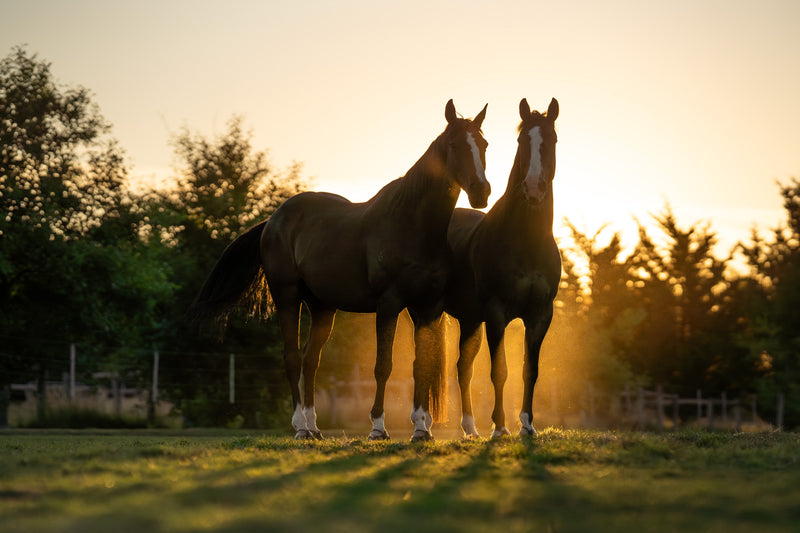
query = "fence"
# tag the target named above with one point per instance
(346, 401)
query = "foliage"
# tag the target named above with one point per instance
(561, 481)
(71, 263)
(84, 260)
(224, 187)
(771, 297)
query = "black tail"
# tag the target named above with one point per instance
(236, 282)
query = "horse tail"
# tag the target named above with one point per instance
(438, 392)
(237, 281)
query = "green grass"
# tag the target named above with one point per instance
(563, 480)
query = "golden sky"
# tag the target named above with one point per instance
(694, 103)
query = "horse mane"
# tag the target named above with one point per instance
(534, 115)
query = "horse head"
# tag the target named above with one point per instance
(465, 160)
(535, 165)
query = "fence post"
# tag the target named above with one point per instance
(640, 408)
(753, 400)
(675, 414)
(660, 407)
(591, 405)
(699, 405)
(115, 387)
(779, 414)
(231, 380)
(155, 377)
(627, 400)
(72, 372)
(724, 408)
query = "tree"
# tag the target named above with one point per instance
(72, 267)
(683, 342)
(595, 315)
(770, 298)
(224, 187)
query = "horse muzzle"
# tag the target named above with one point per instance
(478, 195)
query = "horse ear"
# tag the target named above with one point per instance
(450, 111)
(478, 120)
(524, 109)
(552, 110)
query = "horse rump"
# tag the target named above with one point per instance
(237, 281)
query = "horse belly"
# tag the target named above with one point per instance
(336, 277)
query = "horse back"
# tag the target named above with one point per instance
(314, 241)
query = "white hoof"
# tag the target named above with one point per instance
(377, 434)
(499, 433)
(421, 436)
(304, 434)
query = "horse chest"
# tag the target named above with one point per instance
(413, 274)
(520, 288)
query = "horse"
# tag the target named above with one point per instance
(381, 256)
(509, 266)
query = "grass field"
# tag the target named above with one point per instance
(563, 480)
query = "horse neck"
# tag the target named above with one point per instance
(515, 215)
(426, 193)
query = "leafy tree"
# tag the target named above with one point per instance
(595, 315)
(224, 187)
(72, 268)
(770, 297)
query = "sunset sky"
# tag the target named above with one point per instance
(695, 103)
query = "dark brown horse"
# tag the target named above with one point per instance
(380, 256)
(508, 267)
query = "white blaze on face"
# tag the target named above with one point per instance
(534, 176)
(476, 158)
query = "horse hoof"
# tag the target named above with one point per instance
(500, 433)
(316, 434)
(377, 434)
(304, 434)
(421, 436)
(525, 432)
(471, 436)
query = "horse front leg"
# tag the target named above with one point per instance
(495, 332)
(429, 371)
(321, 326)
(535, 330)
(468, 346)
(385, 328)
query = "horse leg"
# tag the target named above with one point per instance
(321, 326)
(385, 327)
(468, 346)
(535, 331)
(495, 333)
(289, 319)
(428, 337)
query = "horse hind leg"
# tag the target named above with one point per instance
(321, 326)
(468, 348)
(289, 318)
